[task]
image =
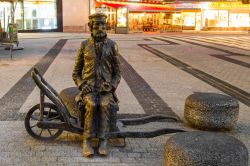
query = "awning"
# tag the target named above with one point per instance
(136, 6)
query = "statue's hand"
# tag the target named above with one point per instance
(86, 89)
(107, 87)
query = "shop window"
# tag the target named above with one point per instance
(188, 19)
(239, 20)
(210, 18)
(177, 19)
(40, 14)
(31, 15)
(111, 16)
(222, 18)
(215, 18)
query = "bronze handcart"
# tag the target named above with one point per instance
(47, 120)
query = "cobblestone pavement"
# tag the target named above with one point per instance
(224, 57)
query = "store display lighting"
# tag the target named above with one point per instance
(136, 5)
(226, 5)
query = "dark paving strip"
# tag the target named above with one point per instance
(126, 39)
(115, 39)
(246, 40)
(76, 38)
(227, 88)
(165, 40)
(145, 95)
(228, 40)
(147, 39)
(221, 44)
(112, 39)
(159, 44)
(206, 46)
(13, 100)
(55, 37)
(235, 61)
(222, 57)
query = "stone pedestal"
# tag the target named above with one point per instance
(68, 96)
(211, 111)
(201, 148)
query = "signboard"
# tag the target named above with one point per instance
(122, 17)
(206, 1)
(186, 6)
(13, 33)
(233, 5)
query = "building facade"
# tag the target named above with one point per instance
(126, 15)
(31, 14)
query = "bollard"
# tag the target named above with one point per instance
(211, 111)
(200, 148)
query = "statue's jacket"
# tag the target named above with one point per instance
(93, 69)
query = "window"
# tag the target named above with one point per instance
(239, 20)
(40, 14)
(31, 14)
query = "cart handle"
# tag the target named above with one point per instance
(45, 82)
(50, 93)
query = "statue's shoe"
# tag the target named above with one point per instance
(87, 150)
(103, 150)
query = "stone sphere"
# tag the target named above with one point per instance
(201, 148)
(211, 111)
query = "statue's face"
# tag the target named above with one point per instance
(99, 29)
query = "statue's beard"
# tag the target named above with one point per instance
(99, 36)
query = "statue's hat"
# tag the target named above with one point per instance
(98, 16)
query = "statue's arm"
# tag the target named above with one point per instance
(116, 76)
(77, 71)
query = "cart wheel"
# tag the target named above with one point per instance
(50, 114)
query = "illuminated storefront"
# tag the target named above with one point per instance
(31, 14)
(153, 16)
(225, 16)
(127, 15)
(156, 16)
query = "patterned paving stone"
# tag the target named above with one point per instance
(169, 83)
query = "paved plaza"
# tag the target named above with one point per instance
(158, 72)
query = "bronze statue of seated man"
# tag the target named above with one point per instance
(97, 75)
